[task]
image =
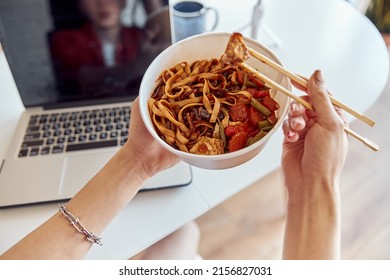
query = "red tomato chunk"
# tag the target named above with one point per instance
(255, 116)
(238, 141)
(239, 112)
(270, 103)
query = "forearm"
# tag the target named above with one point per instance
(95, 205)
(313, 224)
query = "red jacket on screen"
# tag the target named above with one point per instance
(72, 49)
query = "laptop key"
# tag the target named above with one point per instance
(32, 136)
(53, 119)
(91, 145)
(32, 121)
(66, 125)
(98, 128)
(45, 151)
(46, 126)
(87, 122)
(32, 143)
(56, 126)
(114, 134)
(57, 133)
(78, 130)
(71, 139)
(46, 134)
(23, 153)
(32, 128)
(34, 152)
(57, 149)
(123, 141)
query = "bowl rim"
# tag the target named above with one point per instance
(149, 124)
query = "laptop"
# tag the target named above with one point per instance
(77, 65)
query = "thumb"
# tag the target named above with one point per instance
(320, 98)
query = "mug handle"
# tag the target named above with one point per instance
(216, 14)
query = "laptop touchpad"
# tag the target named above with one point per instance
(78, 170)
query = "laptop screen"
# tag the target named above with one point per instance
(67, 51)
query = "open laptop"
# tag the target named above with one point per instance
(77, 72)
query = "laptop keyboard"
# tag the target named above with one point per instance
(74, 131)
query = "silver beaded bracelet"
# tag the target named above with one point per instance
(74, 221)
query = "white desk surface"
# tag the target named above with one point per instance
(315, 34)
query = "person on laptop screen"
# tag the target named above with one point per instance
(103, 56)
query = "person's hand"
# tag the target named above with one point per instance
(314, 150)
(315, 144)
(150, 154)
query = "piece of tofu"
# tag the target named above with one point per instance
(208, 146)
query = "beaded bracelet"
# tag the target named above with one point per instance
(74, 221)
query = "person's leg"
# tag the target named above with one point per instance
(183, 244)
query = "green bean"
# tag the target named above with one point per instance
(257, 137)
(222, 132)
(250, 84)
(243, 87)
(225, 111)
(265, 123)
(260, 107)
(268, 128)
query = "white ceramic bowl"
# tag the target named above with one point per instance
(207, 46)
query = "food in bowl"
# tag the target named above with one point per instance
(210, 107)
(207, 47)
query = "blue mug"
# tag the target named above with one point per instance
(189, 18)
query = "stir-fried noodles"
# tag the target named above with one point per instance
(209, 107)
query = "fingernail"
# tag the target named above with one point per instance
(294, 106)
(296, 123)
(319, 77)
(290, 134)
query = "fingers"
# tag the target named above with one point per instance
(135, 113)
(300, 119)
(295, 126)
(320, 99)
(298, 86)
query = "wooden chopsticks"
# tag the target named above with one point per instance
(270, 82)
(303, 83)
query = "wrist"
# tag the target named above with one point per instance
(320, 200)
(309, 189)
(133, 164)
(150, 158)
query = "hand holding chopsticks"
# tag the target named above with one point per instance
(267, 80)
(303, 83)
(237, 52)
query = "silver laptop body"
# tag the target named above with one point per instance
(52, 156)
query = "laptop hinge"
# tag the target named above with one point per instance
(85, 103)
